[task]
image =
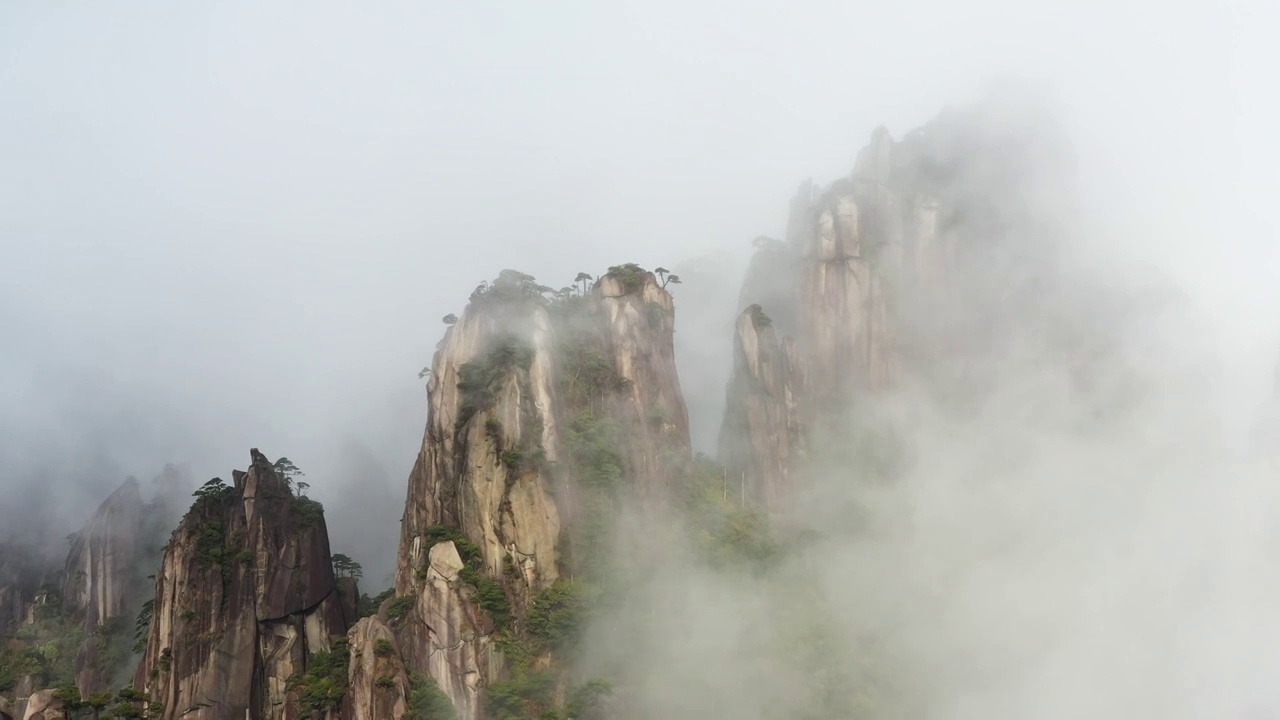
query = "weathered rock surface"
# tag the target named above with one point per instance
(460, 478)
(491, 436)
(923, 259)
(495, 466)
(378, 682)
(639, 322)
(760, 440)
(244, 596)
(43, 706)
(104, 579)
(103, 559)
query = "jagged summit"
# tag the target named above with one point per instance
(245, 599)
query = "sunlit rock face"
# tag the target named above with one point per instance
(378, 682)
(244, 597)
(482, 471)
(493, 476)
(44, 706)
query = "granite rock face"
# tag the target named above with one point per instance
(378, 682)
(245, 596)
(761, 437)
(918, 263)
(516, 384)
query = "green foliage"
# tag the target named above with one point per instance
(592, 443)
(111, 646)
(211, 544)
(324, 683)
(494, 429)
(656, 314)
(527, 695)
(344, 566)
(588, 372)
(400, 607)
(512, 458)
(142, 626)
(367, 606)
(46, 649)
(728, 533)
(287, 471)
(585, 699)
(385, 681)
(213, 494)
(309, 511)
(427, 701)
(383, 647)
(480, 380)
(558, 615)
(511, 289)
(631, 276)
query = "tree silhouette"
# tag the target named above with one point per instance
(583, 278)
(661, 272)
(672, 279)
(344, 566)
(450, 319)
(287, 471)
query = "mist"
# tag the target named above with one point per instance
(239, 226)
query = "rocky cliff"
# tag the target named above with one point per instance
(102, 583)
(761, 438)
(245, 604)
(918, 262)
(540, 411)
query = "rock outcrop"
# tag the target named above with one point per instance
(919, 261)
(44, 705)
(245, 598)
(378, 683)
(639, 322)
(103, 559)
(102, 583)
(525, 394)
(482, 473)
(760, 440)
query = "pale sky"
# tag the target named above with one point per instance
(237, 224)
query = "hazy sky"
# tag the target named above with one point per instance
(237, 224)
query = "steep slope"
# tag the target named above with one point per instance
(541, 412)
(245, 601)
(761, 436)
(102, 583)
(933, 252)
(71, 627)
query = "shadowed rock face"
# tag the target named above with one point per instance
(104, 577)
(639, 321)
(20, 578)
(760, 441)
(103, 558)
(245, 595)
